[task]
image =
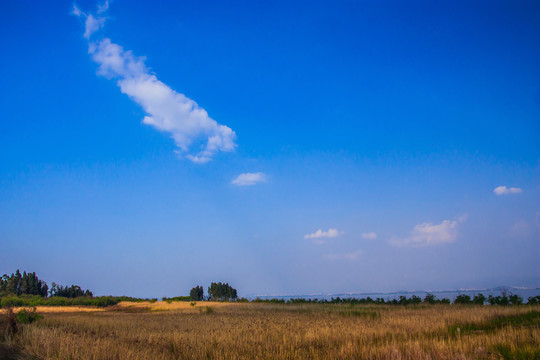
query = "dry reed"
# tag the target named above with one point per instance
(268, 331)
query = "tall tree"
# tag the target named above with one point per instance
(25, 284)
(197, 293)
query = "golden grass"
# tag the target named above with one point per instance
(270, 331)
(175, 305)
(151, 306)
(57, 309)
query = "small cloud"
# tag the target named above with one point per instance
(431, 234)
(369, 235)
(331, 233)
(247, 179)
(347, 256)
(503, 190)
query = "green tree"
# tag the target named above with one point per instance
(515, 299)
(22, 284)
(479, 299)
(430, 299)
(197, 293)
(463, 299)
(72, 291)
(221, 292)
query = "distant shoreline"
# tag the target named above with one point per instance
(449, 294)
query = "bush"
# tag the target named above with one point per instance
(176, 298)
(515, 300)
(430, 299)
(27, 316)
(463, 299)
(479, 299)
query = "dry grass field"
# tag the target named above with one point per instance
(271, 331)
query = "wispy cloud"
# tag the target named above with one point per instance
(369, 235)
(320, 234)
(521, 229)
(247, 179)
(197, 136)
(346, 256)
(103, 7)
(426, 233)
(92, 25)
(503, 190)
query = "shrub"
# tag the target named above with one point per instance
(515, 300)
(429, 299)
(27, 316)
(479, 299)
(463, 299)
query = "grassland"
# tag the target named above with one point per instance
(272, 331)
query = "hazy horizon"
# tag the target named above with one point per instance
(285, 148)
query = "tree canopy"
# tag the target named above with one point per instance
(72, 291)
(197, 293)
(219, 291)
(23, 284)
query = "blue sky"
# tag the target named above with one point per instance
(284, 147)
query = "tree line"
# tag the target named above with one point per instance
(27, 289)
(430, 299)
(18, 284)
(216, 292)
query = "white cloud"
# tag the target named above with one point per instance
(331, 233)
(247, 179)
(103, 8)
(347, 256)
(431, 234)
(76, 11)
(197, 136)
(92, 25)
(503, 190)
(369, 235)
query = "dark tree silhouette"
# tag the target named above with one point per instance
(197, 293)
(23, 284)
(221, 292)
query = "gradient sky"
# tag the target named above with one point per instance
(344, 146)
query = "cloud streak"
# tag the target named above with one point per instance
(347, 256)
(503, 190)
(248, 179)
(197, 136)
(369, 235)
